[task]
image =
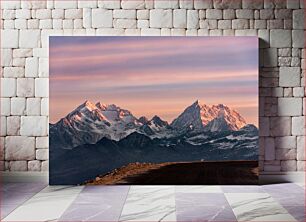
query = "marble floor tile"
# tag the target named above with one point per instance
(289, 199)
(47, 205)
(242, 189)
(198, 189)
(149, 203)
(6, 210)
(203, 207)
(298, 212)
(22, 187)
(257, 207)
(283, 188)
(99, 203)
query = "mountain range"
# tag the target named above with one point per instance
(97, 138)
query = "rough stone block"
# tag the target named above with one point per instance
(13, 72)
(102, 18)
(269, 149)
(125, 14)
(298, 92)
(6, 57)
(240, 24)
(73, 13)
(160, 18)
(34, 126)
(5, 106)
(109, 4)
(45, 165)
(45, 107)
(150, 32)
(65, 4)
(288, 165)
(289, 76)
(41, 87)
(245, 14)
(214, 14)
(285, 142)
(227, 4)
(125, 23)
(25, 87)
(18, 166)
(9, 38)
(285, 154)
(43, 67)
(34, 165)
(33, 106)
(192, 19)
(180, 18)
(280, 38)
(301, 148)
(18, 106)
(298, 19)
(290, 106)
(19, 148)
(224, 24)
(301, 165)
(252, 4)
(42, 154)
(166, 4)
(280, 126)
(31, 67)
(3, 128)
(8, 87)
(293, 4)
(13, 125)
(42, 142)
(298, 125)
(298, 38)
(58, 14)
(29, 38)
(143, 14)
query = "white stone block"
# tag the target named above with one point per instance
(165, 32)
(5, 106)
(20, 23)
(186, 4)
(269, 149)
(87, 18)
(143, 14)
(6, 57)
(25, 87)
(33, 4)
(166, 4)
(214, 14)
(10, 4)
(31, 67)
(42, 142)
(289, 76)
(8, 14)
(224, 24)
(301, 148)
(34, 126)
(178, 32)
(280, 126)
(298, 126)
(43, 13)
(18, 166)
(45, 165)
(13, 72)
(73, 13)
(34, 165)
(33, 106)
(102, 18)
(43, 70)
(42, 154)
(298, 92)
(124, 13)
(132, 4)
(8, 87)
(41, 87)
(252, 4)
(8, 24)
(9, 38)
(125, 23)
(110, 32)
(290, 106)
(179, 18)
(288, 165)
(132, 32)
(160, 18)
(3, 127)
(240, 24)
(191, 32)
(87, 4)
(142, 24)
(298, 19)
(13, 125)
(285, 142)
(150, 32)
(192, 19)
(18, 106)
(20, 148)
(109, 4)
(298, 38)
(65, 4)
(58, 13)
(46, 24)
(45, 107)
(301, 166)
(203, 4)
(29, 38)
(280, 38)
(22, 53)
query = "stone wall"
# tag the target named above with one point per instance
(26, 26)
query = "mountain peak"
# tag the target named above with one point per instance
(101, 106)
(143, 120)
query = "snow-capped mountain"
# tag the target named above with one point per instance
(91, 122)
(201, 117)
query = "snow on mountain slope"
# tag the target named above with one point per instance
(199, 117)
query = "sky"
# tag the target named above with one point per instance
(154, 75)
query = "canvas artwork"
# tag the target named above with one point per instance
(153, 110)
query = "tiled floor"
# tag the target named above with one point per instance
(39, 202)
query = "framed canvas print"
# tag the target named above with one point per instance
(153, 110)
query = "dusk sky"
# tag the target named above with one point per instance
(154, 75)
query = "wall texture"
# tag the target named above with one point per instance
(26, 25)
